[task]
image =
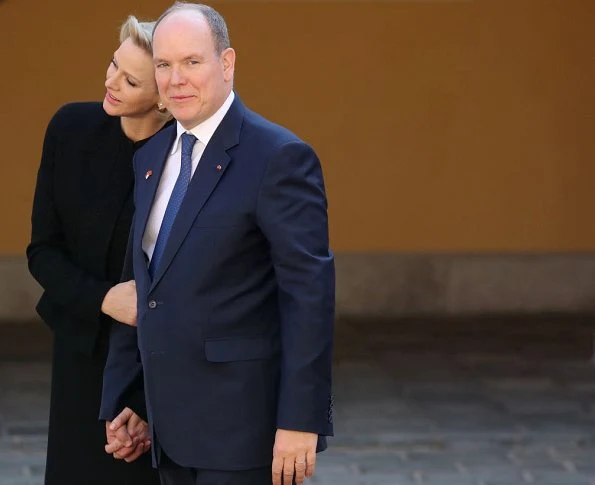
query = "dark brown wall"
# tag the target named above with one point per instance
(442, 126)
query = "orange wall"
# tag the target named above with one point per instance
(442, 126)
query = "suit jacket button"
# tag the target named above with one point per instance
(152, 304)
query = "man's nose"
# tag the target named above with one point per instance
(177, 77)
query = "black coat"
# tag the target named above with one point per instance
(83, 195)
(81, 217)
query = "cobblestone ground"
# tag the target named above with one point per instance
(442, 402)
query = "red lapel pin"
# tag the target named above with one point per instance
(148, 174)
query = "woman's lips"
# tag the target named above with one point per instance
(112, 99)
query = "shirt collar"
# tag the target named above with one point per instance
(205, 130)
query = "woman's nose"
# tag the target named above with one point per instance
(110, 82)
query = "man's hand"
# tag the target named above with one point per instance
(120, 303)
(294, 452)
(127, 436)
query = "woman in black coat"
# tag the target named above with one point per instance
(82, 212)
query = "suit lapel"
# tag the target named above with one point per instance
(149, 167)
(210, 169)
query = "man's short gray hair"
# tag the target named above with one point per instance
(214, 19)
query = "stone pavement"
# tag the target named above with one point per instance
(493, 401)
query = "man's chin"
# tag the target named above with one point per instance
(186, 121)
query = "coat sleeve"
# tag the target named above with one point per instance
(292, 213)
(123, 378)
(73, 288)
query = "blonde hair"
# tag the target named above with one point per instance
(141, 33)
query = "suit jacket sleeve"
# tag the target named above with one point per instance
(123, 375)
(292, 213)
(78, 291)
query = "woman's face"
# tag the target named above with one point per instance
(130, 82)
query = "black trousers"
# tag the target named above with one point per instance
(173, 474)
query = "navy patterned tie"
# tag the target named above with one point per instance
(175, 201)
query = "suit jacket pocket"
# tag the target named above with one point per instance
(239, 348)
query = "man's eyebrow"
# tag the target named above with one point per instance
(199, 57)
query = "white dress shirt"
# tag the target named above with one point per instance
(171, 170)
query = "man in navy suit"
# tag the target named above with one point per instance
(234, 277)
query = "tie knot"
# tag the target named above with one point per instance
(188, 140)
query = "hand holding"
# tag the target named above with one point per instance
(127, 436)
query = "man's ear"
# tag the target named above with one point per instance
(228, 58)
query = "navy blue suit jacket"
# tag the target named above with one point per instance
(235, 331)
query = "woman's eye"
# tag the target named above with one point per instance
(131, 83)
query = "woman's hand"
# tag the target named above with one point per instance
(120, 303)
